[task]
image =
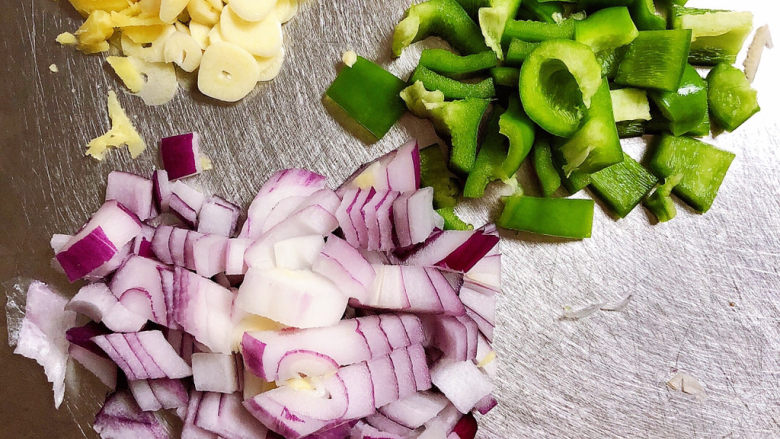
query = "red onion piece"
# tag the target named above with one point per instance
(164, 393)
(103, 368)
(466, 428)
(224, 415)
(486, 404)
(181, 155)
(204, 309)
(214, 372)
(218, 216)
(143, 276)
(234, 256)
(480, 299)
(386, 425)
(357, 217)
(185, 202)
(209, 254)
(451, 336)
(132, 191)
(411, 289)
(345, 267)
(461, 382)
(362, 430)
(142, 244)
(398, 170)
(143, 355)
(190, 430)
(416, 409)
(121, 418)
(161, 190)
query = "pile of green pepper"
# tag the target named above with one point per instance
(562, 82)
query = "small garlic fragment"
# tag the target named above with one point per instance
(170, 9)
(271, 66)
(252, 10)
(200, 32)
(183, 50)
(53, 68)
(227, 72)
(349, 58)
(160, 82)
(214, 36)
(150, 52)
(205, 11)
(262, 38)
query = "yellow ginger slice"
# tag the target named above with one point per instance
(125, 69)
(67, 39)
(122, 132)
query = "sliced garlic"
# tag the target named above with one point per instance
(183, 50)
(200, 32)
(285, 10)
(262, 38)
(170, 9)
(145, 34)
(214, 36)
(160, 82)
(205, 11)
(270, 66)
(181, 27)
(150, 7)
(149, 52)
(227, 72)
(252, 10)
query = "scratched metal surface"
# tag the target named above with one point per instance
(599, 377)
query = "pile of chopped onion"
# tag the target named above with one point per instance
(327, 314)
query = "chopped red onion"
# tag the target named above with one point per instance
(132, 191)
(163, 393)
(143, 355)
(461, 382)
(190, 430)
(181, 155)
(386, 425)
(103, 368)
(224, 415)
(186, 202)
(398, 170)
(214, 372)
(121, 418)
(416, 409)
(346, 267)
(218, 216)
(161, 190)
(466, 428)
(204, 309)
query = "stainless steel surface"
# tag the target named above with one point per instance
(705, 288)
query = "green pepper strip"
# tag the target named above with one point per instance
(369, 95)
(452, 88)
(452, 221)
(606, 29)
(492, 22)
(505, 76)
(557, 81)
(623, 185)
(434, 173)
(563, 217)
(455, 66)
(644, 14)
(541, 10)
(534, 31)
(731, 99)
(717, 36)
(518, 128)
(596, 145)
(491, 155)
(548, 176)
(631, 128)
(472, 6)
(655, 59)
(443, 18)
(630, 104)
(460, 120)
(685, 108)
(610, 59)
(702, 166)
(518, 51)
(660, 202)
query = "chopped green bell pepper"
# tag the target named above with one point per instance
(492, 21)
(455, 66)
(518, 128)
(492, 154)
(702, 166)
(442, 18)
(434, 173)
(717, 36)
(655, 59)
(596, 145)
(505, 76)
(685, 108)
(563, 217)
(631, 128)
(535, 31)
(518, 51)
(623, 185)
(731, 99)
(557, 81)
(472, 6)
(452, 221)
(630, 104)
(452, 88)
(610, 59)
(369, 95)
(644, 14)
(459, 120)
(660, 202)
(548, 176)
(541, 10)
(606, 29)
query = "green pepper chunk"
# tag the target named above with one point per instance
(655, 59)
(442, 18)
(492, 154)
(660, 202)
(535, 31)
(459, 120)
(644, 14)
(557, 81)
(702, 166)
(623, 185)
(369, 95)
(505, 76)
(630, 104)
(631, 128)
(452, 221)
(434, 173)
(548, 176)
(472, 6)
(541, 10)
(452, 88)
(596, 145)
(492, 21)
(606, 29)
(518, 51)
(717, 36)
(610, 59)
(686, 107)
(731, 99)
(454, 66)
(563, 217)
(518, 128)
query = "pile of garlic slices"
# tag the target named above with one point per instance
(230, 44)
